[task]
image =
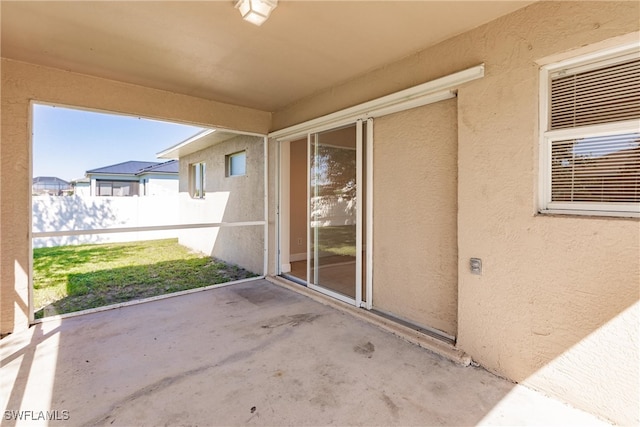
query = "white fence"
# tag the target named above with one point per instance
(332, 210)
(91, 213)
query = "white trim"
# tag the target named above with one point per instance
(308, 201)
(169, 152)
(265, 261)
(616, 128)
(283, 159)
(627, 49)
(592, 213)
(426, 93)
(148, 228)
(359, 193)
(631, 210)
(30, 291)
(369, 231)
(184, 143)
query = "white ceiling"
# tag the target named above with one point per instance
(205, 49)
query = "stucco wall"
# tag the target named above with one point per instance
(557, 304)
(415, 264)
(227, 199)
(24, 82)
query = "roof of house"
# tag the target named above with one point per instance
(130, 168)
(49, 180)
(134, 167)
(171, 166)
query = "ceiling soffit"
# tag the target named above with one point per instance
(205, 49)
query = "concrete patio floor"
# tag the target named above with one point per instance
(250, 354)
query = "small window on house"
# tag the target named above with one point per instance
(590, 135)
(198, 180)
(237, 164)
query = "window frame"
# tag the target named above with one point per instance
(197, 180)
(134, 187)
(228, 164)
(547, 137)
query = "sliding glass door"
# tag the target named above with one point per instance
(335, 249)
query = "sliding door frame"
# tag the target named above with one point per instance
(423, 94)
(312, 274)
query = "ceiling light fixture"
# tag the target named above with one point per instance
(256, 11)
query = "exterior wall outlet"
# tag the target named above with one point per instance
(299, 241)
(475, 265)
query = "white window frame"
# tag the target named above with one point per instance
(229, 161)
(197, 181)
(547, 137)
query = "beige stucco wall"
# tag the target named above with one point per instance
(557, 306)
(227, 199)
(22, 83)
(415, 264)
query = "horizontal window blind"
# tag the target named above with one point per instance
(596, 169)
(602, 95)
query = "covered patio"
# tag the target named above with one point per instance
(251, 353)
(452, 124)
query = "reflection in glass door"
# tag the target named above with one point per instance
(335, 227)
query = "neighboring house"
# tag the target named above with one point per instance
(472, 220)
(50, 185)
(81, 186)
(221, 181)
(133, 178)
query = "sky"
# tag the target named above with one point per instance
(68, 142)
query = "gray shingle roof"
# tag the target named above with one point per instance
(49, 180)
(133, 167)
(166, 167)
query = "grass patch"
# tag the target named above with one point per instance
(74, 278)
(337, 240)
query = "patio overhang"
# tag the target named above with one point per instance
(217, 56)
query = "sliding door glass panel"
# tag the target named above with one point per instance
(333, 210)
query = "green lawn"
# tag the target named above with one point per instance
(73, 278)
(337, 240)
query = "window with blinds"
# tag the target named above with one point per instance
(604, 95)
(590, 157)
